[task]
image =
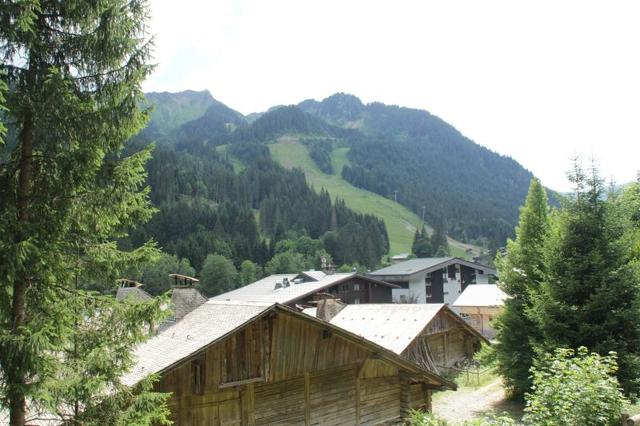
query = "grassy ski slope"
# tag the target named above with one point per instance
(401, 223)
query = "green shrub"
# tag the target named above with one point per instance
(419, 418)
(574, 388)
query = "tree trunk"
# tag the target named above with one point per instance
(16, 379)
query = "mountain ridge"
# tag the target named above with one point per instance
(404, 153)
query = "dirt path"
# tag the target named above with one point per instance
(469, 403)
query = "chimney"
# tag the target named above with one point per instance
(127, 283)
(285, 282)
(328, 306)
(185, 297)
(131, 288)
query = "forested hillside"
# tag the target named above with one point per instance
(263, 213)
(474, 191)
(218, 191)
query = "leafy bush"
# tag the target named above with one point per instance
(575, 388)
(419, 418)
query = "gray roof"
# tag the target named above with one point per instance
(391, 325)
(427, 264)
(215, 320)
(483, 295)
(264, 290)
(197, 330)
(135, 292)
(185, 300)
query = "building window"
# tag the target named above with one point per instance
(452, 272)
(197, 376)
(356, 287)
(403, 284)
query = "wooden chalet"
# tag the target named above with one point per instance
(244, 363)
(429, 335)
(301, 289)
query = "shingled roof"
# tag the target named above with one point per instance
(215, 320)
(392, 325)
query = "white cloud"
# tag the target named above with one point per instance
(539, 81)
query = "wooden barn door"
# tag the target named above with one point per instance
(332, 397)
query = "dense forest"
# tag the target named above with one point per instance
(471, 189)
(205, 207)
(218, 192)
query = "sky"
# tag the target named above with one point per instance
(540, 81)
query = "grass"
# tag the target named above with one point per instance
(401, 222)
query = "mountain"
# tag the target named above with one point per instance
(171, 110)
(423, 161)
(371, 155)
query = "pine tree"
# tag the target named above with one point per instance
(590, 293)
(74, 70)
(421, 246)
(439, 243)
(520, 273)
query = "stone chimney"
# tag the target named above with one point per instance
(185, 297)
(130, 288)
(327, 306)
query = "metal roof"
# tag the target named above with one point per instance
(391, 325)
(427, 264)
(197, 330)
(481, 295)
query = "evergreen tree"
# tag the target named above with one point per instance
(590, 293)
(520, 273)
(74, 70)
(439, 243)
(421, 246)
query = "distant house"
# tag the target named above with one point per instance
(479, 305)
(430, 335)
(233, 363)
(300, 289)
(434, 279)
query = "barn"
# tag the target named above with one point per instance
(249, 363)
(429, 335)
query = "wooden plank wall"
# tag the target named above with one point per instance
(280, 403)
(310, 378)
